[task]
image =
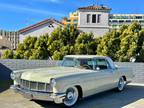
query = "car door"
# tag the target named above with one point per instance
(104, 75)
(88, 80)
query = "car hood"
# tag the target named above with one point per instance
(45, 74)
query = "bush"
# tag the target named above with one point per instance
(8, 54)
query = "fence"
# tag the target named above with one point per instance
(138, 70)
(6, 67)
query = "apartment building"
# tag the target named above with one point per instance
(8, 39)
(71, 20)
(117, 20)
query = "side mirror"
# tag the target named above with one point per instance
(97, 68)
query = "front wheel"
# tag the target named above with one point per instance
(72, 96)
(121, 84)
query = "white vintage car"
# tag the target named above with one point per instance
(79, 76)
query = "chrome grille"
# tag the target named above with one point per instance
(48, 87)
(33, 85)
(41, 86)
(37, 86)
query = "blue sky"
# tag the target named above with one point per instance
(17, 14)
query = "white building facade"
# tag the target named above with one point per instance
(117, 20)
(94, 19)
(39, 29)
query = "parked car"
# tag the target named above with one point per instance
(79, 76)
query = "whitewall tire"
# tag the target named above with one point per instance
(121, 84)
(72, 96)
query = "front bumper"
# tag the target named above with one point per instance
(38, 95)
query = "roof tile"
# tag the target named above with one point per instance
(94, 7)
(50, 21)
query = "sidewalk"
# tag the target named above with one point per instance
(137, 104)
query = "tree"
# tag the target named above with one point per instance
(85, 44)
(140, 56)
(140, 41)
(57, 55)
(19, 52)
(129, 42)
(55, 46)
(61, 41)
(40, 50)
(25, 49)
(142, 53)
(69, 34)
(109, 44)
(8, 54)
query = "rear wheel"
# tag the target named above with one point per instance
(121, 84)
(72, 96)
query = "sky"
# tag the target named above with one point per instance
(18, 14)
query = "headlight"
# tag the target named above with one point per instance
(15, 75)
(12, 75)
(53, 82)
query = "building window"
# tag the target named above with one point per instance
(138, 17)
(75, 25)
(94, 18)
(114, 21)
(88, 18)
(128, 21)
(121, 21)
(75, 20)
(68, 20)
(141, 21)
(98, 18)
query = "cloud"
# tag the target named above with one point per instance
(52, 1)
(55, 1)
(18, 8)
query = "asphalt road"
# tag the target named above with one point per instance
(109, 99)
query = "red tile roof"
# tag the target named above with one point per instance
(94, 7)
(50, 21)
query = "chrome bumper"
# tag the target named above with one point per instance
(38, 95)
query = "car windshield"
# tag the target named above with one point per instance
(79, 63)
(68, 62)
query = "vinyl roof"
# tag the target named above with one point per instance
(85, 56)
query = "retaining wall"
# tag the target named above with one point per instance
(6, 67)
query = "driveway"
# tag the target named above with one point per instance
(131, 97)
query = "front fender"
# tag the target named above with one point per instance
(65, 84)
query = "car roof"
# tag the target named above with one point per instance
(85, 56)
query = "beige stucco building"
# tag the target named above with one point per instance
(8, 39)
(5, 43)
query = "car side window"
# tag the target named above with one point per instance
(101, 64)
(85, 63)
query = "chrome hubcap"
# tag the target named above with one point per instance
(71, 97)
(121, 84)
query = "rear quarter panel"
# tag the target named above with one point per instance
(127, 72)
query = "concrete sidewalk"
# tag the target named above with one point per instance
(137, 104)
